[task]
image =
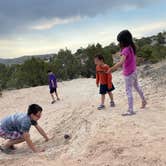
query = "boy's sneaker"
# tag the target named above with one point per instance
(53, 102)
(112, 104)
(100, 107)
(5, 150)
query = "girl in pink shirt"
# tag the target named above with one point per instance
(128, 61)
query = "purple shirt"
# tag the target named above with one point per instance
(51, 78)
(129, 66)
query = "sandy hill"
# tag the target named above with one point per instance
(98, 138)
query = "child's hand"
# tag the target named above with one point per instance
(47, 139)
(97, 85)
(40, 150)
(109, 71)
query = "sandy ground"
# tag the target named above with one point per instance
(98, 138)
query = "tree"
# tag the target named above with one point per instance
(160, 38)
(66, 65)
(2, 76)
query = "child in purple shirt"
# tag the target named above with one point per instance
(52, 85)
(128, 61)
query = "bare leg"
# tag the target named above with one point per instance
(56, 93)
(111, 96)
(53, 99)
(102, 99)
(112, 103)
(10, 143)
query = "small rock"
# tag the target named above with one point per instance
(66, 136)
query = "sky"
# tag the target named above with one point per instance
(34, 27)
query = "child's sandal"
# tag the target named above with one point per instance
(143, 104)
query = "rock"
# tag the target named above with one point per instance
(66, 136)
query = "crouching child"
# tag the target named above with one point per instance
(15, 128)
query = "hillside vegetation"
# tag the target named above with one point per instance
(68, 65)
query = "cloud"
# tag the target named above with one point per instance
(19, 15)
(48, 24)
(150, 28)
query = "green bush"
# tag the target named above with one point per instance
(67, 65)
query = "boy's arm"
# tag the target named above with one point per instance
(117, 65)
(42, 132)
(97, 78)
(26, 137)
(52, 82)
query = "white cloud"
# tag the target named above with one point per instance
(149, 28)
(48, 24)
(103, 34)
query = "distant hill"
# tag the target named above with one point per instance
(67, 65)
(22, 59)
(150, 48)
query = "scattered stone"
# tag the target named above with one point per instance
(66, 136)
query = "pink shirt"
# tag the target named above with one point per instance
(129, 66)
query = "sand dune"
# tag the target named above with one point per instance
(98, 138)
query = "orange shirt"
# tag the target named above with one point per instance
(102, 77)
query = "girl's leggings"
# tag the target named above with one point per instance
(132, 81)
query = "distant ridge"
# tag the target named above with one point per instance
(22, 59)
(159, 39)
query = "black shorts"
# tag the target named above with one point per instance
(104, 89)
(52, 90)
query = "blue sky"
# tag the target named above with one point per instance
(40, 26)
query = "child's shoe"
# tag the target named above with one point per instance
(129, 113)
(144, 103)
(112, 104)
(100, 107)
(53, 102)
(5, 150)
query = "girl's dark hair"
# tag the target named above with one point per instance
(125, 39)
(100, 57)
(34, 109)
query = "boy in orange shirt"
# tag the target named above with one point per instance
(104, 79)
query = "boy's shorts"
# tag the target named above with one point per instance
(10, 135)
(52, 90)
(104, 89)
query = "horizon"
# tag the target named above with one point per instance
(31, 29)
(43, 54)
